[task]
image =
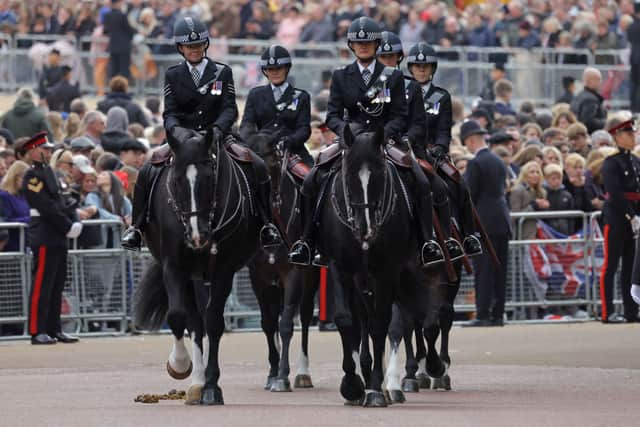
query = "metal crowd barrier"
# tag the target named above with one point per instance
(536, 73)
(101, 280)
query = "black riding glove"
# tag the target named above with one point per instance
(181, 134)
(404, 144)
(438, 152)
(218, 135)
(284, 143)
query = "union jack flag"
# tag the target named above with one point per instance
(558, 270)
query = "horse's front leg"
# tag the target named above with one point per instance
(393, 373)
(311, 281)
(179, 365)
(214, 326)
(379, 320)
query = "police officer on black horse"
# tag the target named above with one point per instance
(278, 108)
(391, 54)
(199, 95)
(369, 95)
(53, 221)
(423, 63)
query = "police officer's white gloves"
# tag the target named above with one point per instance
(76, 229)
(635, 224)
(635, 293)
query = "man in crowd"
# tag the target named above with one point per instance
(82, 145)
(486, 176)
(25, 118)
(587, 105)
(497, 73)
(119, 96)
(621, 214)
(503, 90)
(60, 95)
(569, 86)
(94, 125)
(133, 153)
(116, 26)
(52, 223)
(51, 74)
(579, 139)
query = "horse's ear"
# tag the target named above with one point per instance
(347, 136)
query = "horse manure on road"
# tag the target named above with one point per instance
(155, 398)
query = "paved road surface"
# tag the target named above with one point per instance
(551, 375)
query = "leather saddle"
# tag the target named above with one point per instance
(328, 154)
(238, 152)
(297, 167)
(398, 157)
(161, 155)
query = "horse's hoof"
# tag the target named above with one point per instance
(179, 375)
(194, 395)
(303, 381)
(212, 396)
(387, 397)
(409, 385)
(352, 388)
(396, 396)
(269, 383)
(442, 383)
(281, 385)
(375, 399)
(423, 381)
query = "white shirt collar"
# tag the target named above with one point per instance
(283, 87)
(426, 87)
(200, 67)
(371, 67)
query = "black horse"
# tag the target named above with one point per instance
(282, 288)
(422, 364)
(368, 235)
(203, 227)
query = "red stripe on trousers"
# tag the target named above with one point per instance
(322, 295)
(605, 264)
(37, 286)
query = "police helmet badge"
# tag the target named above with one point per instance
(361, 34)
(387, 47)
(420, 56)
(272, 61)
(193, 36)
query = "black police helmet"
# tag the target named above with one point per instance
(189, 31)
(274, 57)
(422, 53)
(364, 29)
(390, 43)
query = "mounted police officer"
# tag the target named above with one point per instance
(278, 107)
(621, 214)
(199, 95)
(423, 63)
(355, 98)
(391, 54)
(52, 223)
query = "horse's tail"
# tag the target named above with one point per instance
(150, 301)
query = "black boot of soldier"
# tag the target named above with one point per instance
(430, 252)
(269, 234)
(302, 250)
(132, 237)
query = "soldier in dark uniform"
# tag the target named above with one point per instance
(391, 54)
(423, 63)
(621, 178)
(354, 89)
(199, 95)
(278, 107)
(51, 74)
(52, 223)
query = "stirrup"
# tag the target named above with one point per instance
(319, 261)
(472, 246)
(298, 250)
(438, 256)
(131, 233)
(455, 249)
(269, 236)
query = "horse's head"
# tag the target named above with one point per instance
(193, 186)
(264, 145)
(365, 174)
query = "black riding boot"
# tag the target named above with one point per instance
(441, 203)
(430, 252)
(302, 250)
(132, 237)
(471, 242)
(269, 234)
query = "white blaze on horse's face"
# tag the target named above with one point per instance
(192, 173)
(364, 176)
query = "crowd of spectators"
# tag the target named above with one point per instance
(520, 23)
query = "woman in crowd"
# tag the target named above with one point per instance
(551, 155)
(528, 195)
(574, 181)
(563, 119)
(527, 154)
(14, 204)
(532, 132)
